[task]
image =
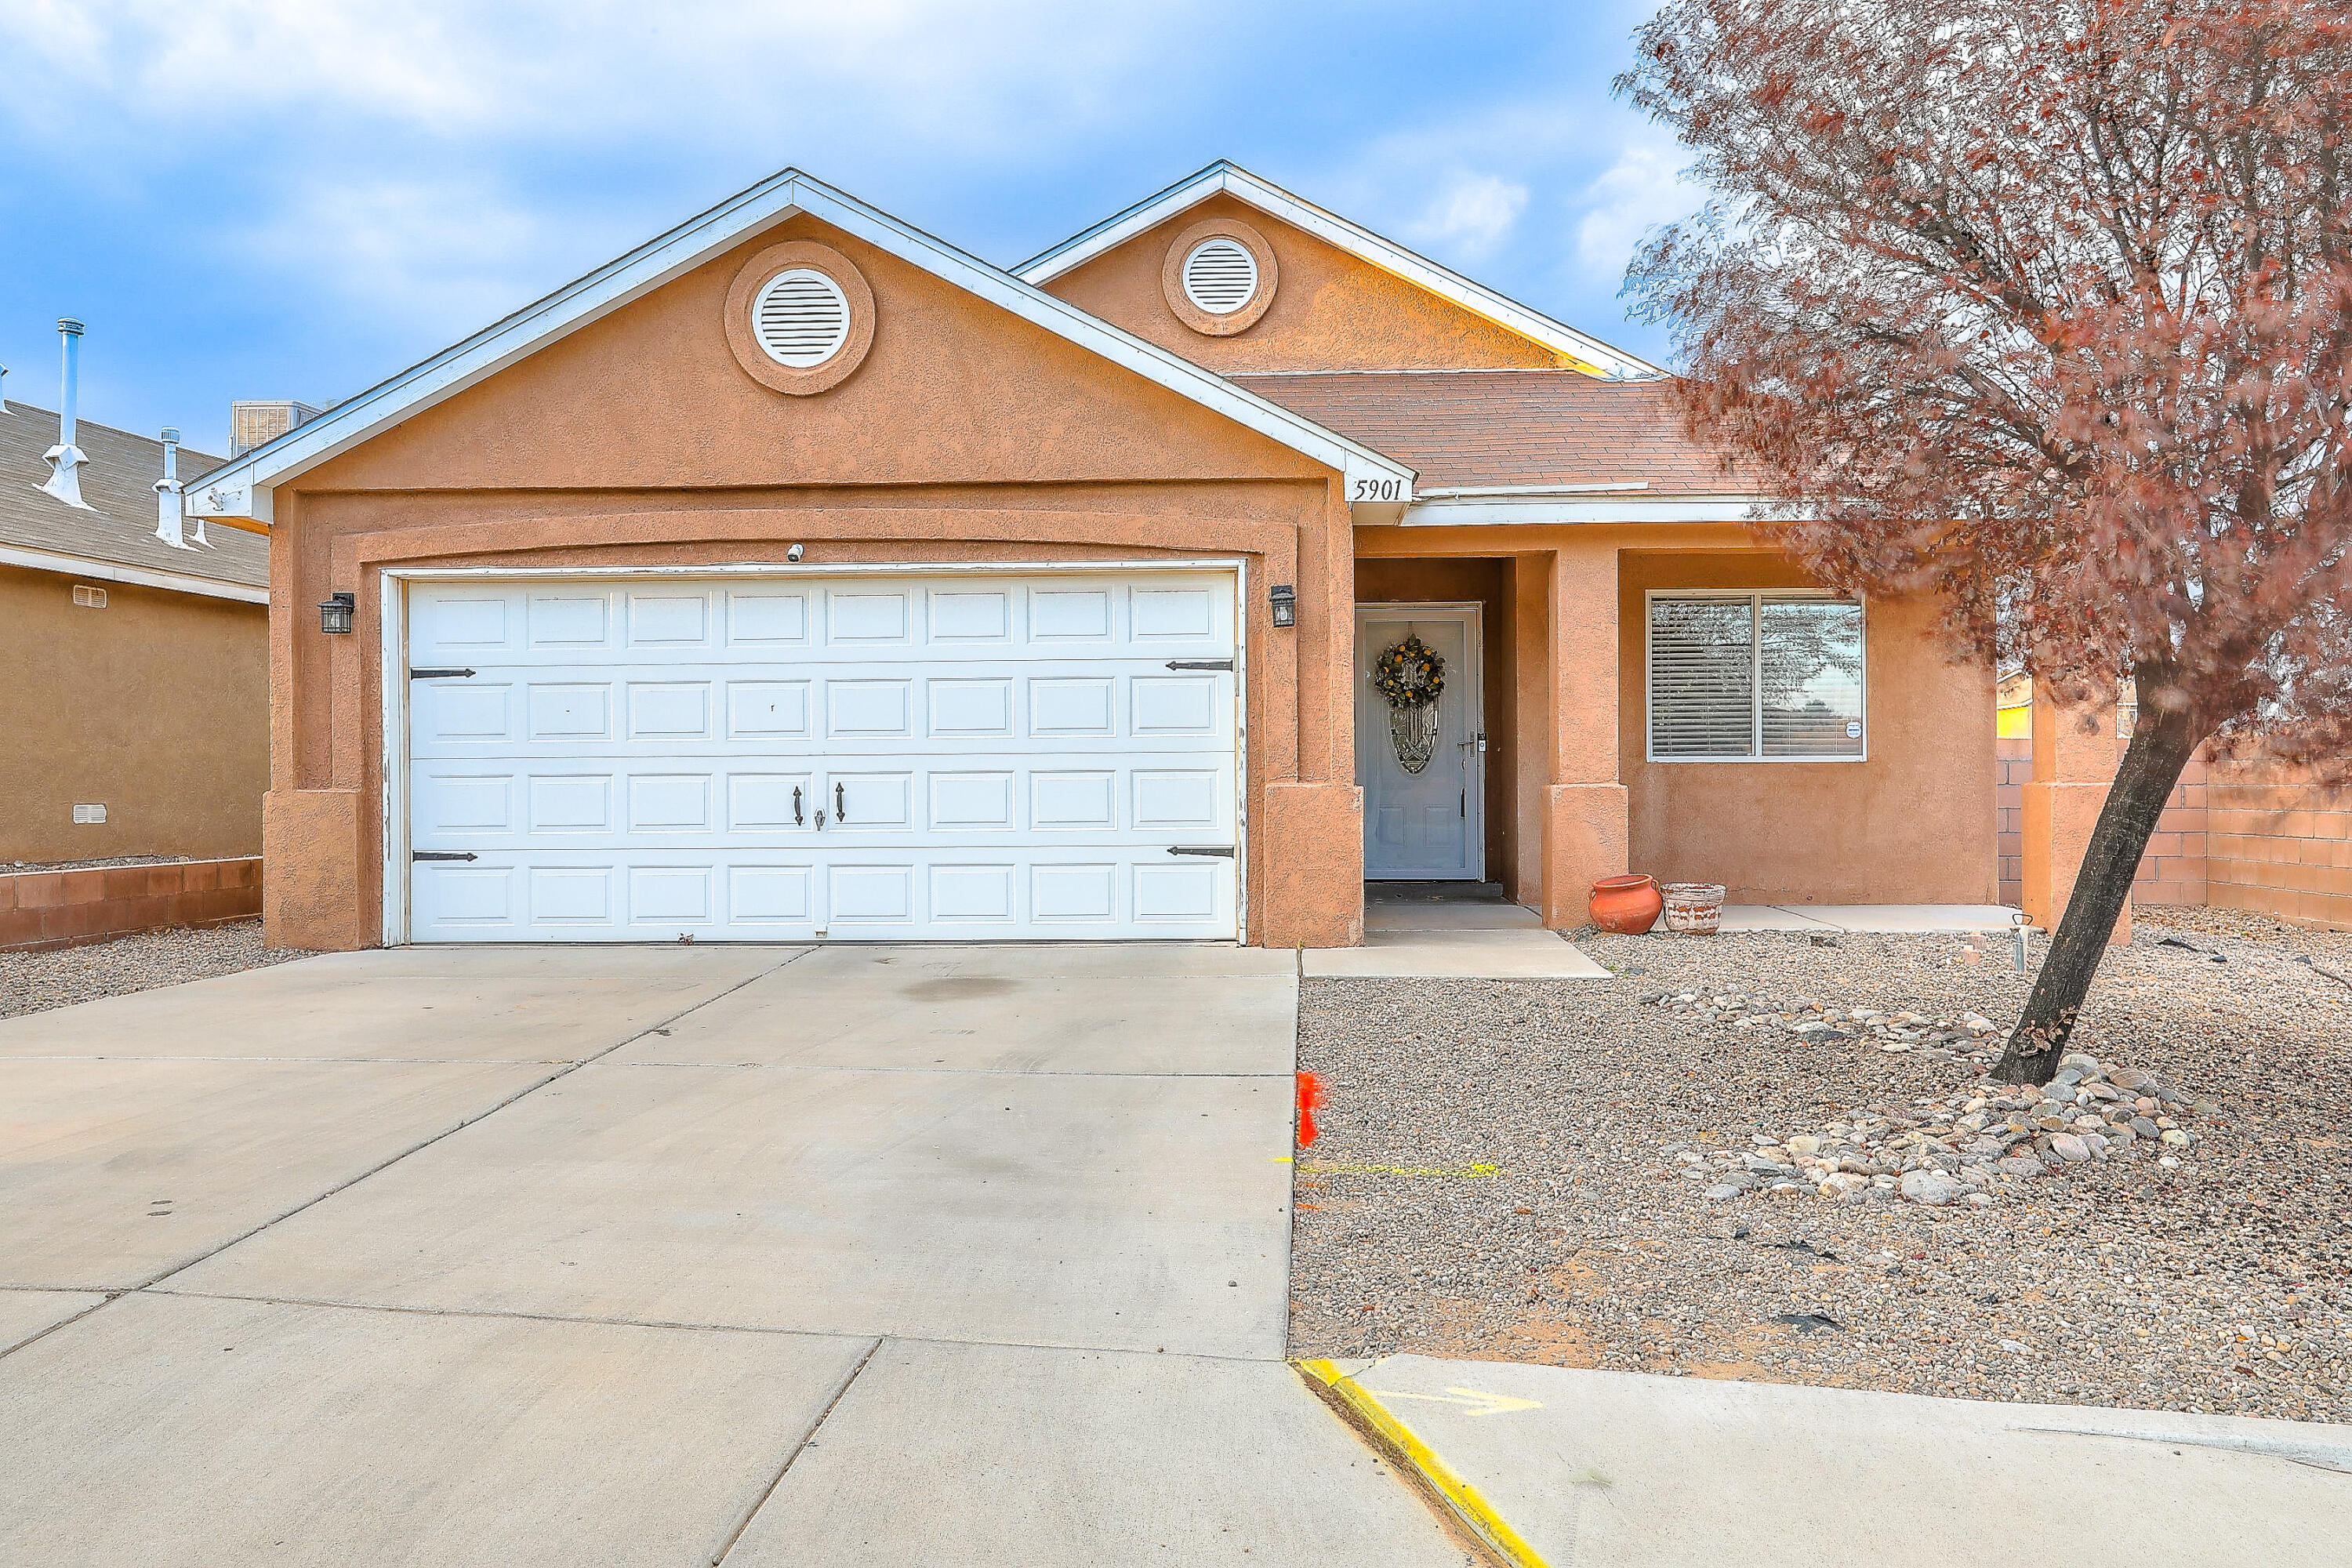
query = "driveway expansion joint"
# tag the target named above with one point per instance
(564, 1070)
(798, 1449)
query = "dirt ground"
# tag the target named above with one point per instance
(1498, 1176)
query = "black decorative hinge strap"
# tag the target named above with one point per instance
(1224, 851)
(437, 674)
(1200, 663)
(443, 854)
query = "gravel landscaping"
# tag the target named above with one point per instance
(34, 982)
(1800, 1174)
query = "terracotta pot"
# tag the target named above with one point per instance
(1627, 905)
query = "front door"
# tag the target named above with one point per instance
(1429, 824)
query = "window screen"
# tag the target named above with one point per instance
(1744, 676)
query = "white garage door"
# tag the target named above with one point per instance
(880, 758)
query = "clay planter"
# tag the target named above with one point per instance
(1626, 905)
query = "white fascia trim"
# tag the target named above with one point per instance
(1353, 238)
(1479, 512)
(240, 488)
(139, 576)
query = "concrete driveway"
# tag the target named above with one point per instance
(670, 1256)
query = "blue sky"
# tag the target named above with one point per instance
(276, 198)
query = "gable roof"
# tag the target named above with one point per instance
(114, 540)
(1524, 430)
(241, 487)
(1590, 354)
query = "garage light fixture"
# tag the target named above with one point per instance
(335, 612)
(1285, 600)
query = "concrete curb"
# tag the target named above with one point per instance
(1405, 1448)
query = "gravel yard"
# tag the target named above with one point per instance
(34, 982)
(1521, 1171)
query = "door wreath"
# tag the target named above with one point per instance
(1411, 675)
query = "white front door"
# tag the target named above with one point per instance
(781, 759)
(1426, 825)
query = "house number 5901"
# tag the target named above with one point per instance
(1375, 489)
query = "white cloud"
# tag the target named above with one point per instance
(1643, 189)
(1471, 214)
(401, 250)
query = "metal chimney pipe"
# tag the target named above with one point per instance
(70, 331)
(169, 515)
(65, 458)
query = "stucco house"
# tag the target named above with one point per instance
(134, 717)
(799, 576)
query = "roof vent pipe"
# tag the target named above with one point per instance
(4, 389)
(65, 458)
(168, 514)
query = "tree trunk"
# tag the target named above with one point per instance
(2160, 747)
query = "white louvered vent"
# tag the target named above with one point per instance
(801, 318)
(1221, 275)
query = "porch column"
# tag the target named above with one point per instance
(2074, 757)
(1585, 821)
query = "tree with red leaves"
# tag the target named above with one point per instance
(2042, 305)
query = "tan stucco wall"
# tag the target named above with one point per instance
(1913, 824)
(1330, 311)
(156, 706)
(966, 434)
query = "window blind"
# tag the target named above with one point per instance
(1702, 678)
(1745, 676)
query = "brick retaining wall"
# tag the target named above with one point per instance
(66, 908)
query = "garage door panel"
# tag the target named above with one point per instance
(681, 802)
(992, 756)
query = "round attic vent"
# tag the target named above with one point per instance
(1220, 276)
(801, 318)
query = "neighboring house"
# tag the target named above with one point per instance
(799, 576)
(134, 718)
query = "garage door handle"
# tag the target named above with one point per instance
(438, 674)
(796, 805)
(1224, 851)
(443, 854)
(1200, 663)
(840, 811)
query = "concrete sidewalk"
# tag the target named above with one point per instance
(1606, 1469)
(644, 1256)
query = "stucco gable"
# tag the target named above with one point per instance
(1346, 299)
(245, 487)
(954, 391)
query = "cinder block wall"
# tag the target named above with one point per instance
(2252, 833)
(2277, 842)
(2012, 766)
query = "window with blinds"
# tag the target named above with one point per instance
(1754, 677)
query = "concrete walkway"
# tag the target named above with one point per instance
(1416, 939)
(670, 1256)
(1605, 1469)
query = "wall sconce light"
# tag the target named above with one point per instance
(335, 612)
(1285, 600)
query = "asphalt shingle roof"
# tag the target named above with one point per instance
(1480, 428)
(118, 483)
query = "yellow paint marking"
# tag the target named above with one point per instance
(1477, 1401)
(1406, 1447)
(1473, 1172)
